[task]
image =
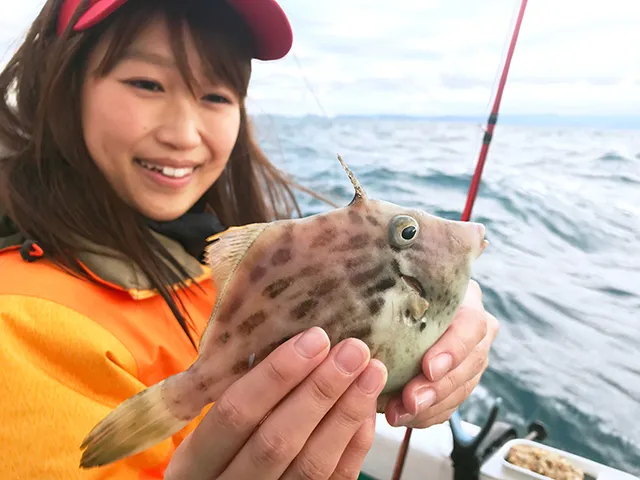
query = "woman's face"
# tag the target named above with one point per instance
(159, 146)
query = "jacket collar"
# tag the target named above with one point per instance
(184, 238)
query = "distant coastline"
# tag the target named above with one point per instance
(545, 120)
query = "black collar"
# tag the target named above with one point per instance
(191, 230)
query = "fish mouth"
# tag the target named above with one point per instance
(415, 284)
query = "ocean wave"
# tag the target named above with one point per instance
(613, 157)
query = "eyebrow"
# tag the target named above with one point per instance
(153, 58)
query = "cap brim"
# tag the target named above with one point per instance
(270, 27)
(265, 18)
(97, 12)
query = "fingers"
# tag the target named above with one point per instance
(457, 385)
(329, 441)
(350, 463)
(442, 410)
(420, 393)
(468, 328)
(205, 453)
(281, 437)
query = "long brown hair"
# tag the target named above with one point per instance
(54, 192)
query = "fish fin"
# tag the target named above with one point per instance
(418, 307)
(359, 194)
(137, 424)
(227, 249)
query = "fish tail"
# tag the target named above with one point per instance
(137, 424)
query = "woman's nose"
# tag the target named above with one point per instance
(180, 126)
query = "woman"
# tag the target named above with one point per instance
(126, 144)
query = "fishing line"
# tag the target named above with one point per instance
(308, 84)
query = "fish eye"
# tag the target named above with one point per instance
(403, 230)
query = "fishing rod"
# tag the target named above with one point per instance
(473, 188)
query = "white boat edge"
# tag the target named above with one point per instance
(429, 453)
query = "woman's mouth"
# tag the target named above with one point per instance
(169, 172)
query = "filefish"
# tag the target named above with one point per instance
(390, 276)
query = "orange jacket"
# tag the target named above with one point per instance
(71, 350)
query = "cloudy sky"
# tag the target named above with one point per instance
(440, 57)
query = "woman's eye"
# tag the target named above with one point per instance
(216, 98)
(149, 85)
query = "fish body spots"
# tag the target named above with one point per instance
(423, 325)
(240, 366)
(396, 267)
(366, 276)
(303, 308)
(287, 236)
(382, 285)
(252, 322)
(281, 256)
(359, 241)
(224, 338)
(276, 288)
(375, 305)
(373, 220)
(354, 262)
(381, 243)
(362, 332)
(311, 270)
(355, 217)
(324, 238)
(325, 287)
(257, 273)
(202, 385)
(234, 306)
(354, 242)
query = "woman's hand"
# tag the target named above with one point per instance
(452, 367)
(303, 412)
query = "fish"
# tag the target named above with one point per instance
(390, 276)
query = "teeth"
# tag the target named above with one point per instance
(168, 171)
(176, 172)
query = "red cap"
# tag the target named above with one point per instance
(265, 19)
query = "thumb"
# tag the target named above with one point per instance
(473, 297)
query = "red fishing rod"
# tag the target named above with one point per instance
(475, 184)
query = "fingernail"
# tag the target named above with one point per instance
(403, 420)
(312, 342)
(425, 397)
(439, 366)
(370, 380)
(349, 357)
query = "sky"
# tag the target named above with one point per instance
(439, 57)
